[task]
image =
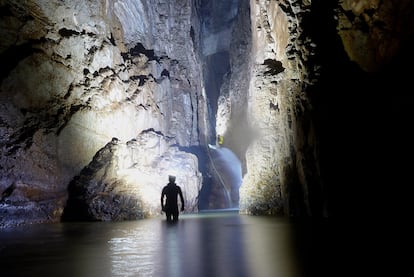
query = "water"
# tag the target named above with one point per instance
(228, 168)
(207, 244)
(228, 164)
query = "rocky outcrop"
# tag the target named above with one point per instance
(124, 180)
(81, 73)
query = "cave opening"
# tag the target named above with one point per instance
(222, 174)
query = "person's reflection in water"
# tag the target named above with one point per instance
(170, 206)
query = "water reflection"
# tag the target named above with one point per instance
(134, 248)
(211, 244)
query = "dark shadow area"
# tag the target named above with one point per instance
(351, 122)
(362, 124)
(15, 54)
(324, 249)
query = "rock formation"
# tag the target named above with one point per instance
(81, 73)
(101, 100)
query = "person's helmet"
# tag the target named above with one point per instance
(171, 178)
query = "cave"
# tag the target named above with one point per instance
(100, 102)
(292, 116)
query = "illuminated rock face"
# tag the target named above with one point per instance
(280, 152)
(294, 127)
(124, 180)
(76, 74)
(81, 73)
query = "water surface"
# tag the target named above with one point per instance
(206, 244)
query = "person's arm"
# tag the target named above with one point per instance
(162, 200)
(181, 198)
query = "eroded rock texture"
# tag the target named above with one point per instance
(373, 31)
(281, 160)
(121, 183)
(81, 73)
(101, 100)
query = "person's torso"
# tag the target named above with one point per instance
(172, 191)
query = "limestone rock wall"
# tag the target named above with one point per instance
(79, 73)
(232, 112)
(98, 99)
(281, 159)
(327, 79)
(124, 180)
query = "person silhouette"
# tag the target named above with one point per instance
(170, 193)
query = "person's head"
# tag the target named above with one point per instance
(171, 178)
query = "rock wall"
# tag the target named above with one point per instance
(327, 83)
(374, 31)
(124, 180)
(99, 100)
(78, 75)
(362, 102)
(281, 159)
